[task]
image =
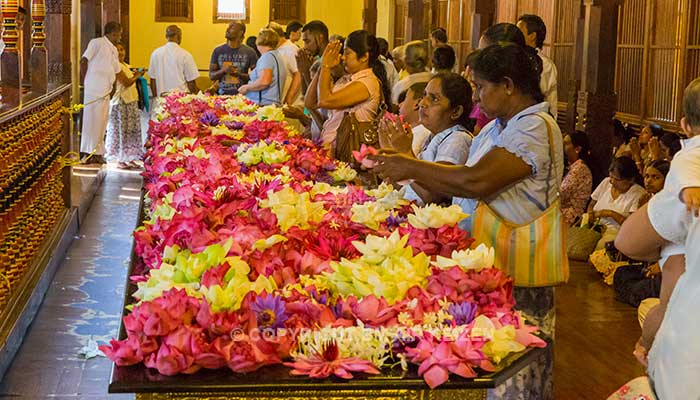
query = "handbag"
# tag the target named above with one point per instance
(351, 134)
(581, 241)
(533, 254)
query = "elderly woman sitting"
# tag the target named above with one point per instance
(267, 79)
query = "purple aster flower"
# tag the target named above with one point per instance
(395, 220)
(463, 313)
(235, 125)
(209, 118)
(270, 311)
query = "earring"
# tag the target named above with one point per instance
(509, 93)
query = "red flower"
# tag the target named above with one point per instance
(326, 363)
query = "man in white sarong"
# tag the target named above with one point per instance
(99, 68)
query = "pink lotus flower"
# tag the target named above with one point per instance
(170, 361)
(326, 363)
(361, 156)
(123, 352)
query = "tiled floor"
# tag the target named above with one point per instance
(595, 334)
(83, 303)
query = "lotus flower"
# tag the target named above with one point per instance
(434, 216)
(326, 363)
(361, 156)
(477, 259)
(270, 311)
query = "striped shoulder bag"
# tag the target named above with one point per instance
(534, 254)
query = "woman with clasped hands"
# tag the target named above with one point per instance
(509, 165)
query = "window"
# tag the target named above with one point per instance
(173, 10)
(226, 11)
(286, 11)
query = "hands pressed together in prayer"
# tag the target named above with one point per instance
(331, 55)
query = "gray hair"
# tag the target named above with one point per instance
(416, 55)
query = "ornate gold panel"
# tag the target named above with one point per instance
(351, 394)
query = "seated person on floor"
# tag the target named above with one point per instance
(615, 198)
(577, 184)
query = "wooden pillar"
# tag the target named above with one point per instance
(482, 17)
(9, 61)
(38, 58)
(369, 16)
(415, 23)
(596, 100)
(58, 31)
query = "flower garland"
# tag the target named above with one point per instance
(251, 254)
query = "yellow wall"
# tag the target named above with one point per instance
(202, 36)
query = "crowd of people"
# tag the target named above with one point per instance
(485, 138)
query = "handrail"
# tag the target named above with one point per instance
(33, 103)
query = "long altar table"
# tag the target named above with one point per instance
(518, 376)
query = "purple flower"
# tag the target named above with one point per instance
(209, 118)
(235, 125)
(463, 313)
(395, 220)
(270, 311)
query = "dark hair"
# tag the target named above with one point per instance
(317, 27)
(363, 42)
(251, 42)
(580, 139)
(384, 48)
(622, 131)
(444, 58)
(21, 10)
(672, 141)
(691, 103)
(459, 93)
(656, 130)
(112, 26)
(500, 61)
(417, 88)
(504, 32)
(292, 27)
(625, 168)
(439, 34)
(471, 57)
(661, 165)
(535, 24)
(239, 24)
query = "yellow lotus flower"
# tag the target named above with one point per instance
(476, 259)
(323, 188)
(264, 244)
(261, 152)
(161, 280)
(270, 113)
(238, 102)
(434, 216)
(293, 209)
(382, 190)
(386, 269)
(501, 341)
(369, 214)
(225, 131)
(344, 173)
(230, 297)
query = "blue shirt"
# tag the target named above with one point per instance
(273, 93)
(450, 146)
(525, 136)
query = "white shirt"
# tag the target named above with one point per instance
(420, 136)
(103, 67)
(674, 358)
(685, 167)
(172, 67)
(288, 52)
(526, 137)
(625, 204)
(406, 83)
(392, 75)
(548, 83)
